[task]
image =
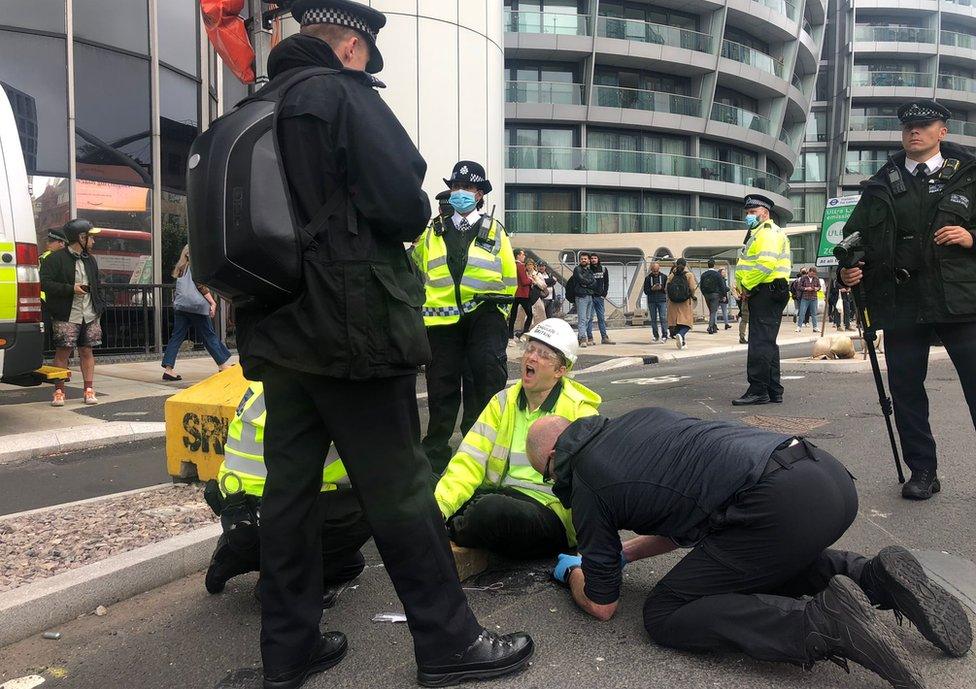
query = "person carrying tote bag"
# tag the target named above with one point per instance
(193, 306)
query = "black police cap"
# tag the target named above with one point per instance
(55, 234)
(758, 201)
(354, 15)
(444, 196)
(923, 111)
(470, 172)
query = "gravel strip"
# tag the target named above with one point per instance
(38, 546)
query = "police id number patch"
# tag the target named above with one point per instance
(960, 199)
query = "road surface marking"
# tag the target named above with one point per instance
(28, 682)
(657, 380)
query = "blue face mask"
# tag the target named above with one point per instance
(752, 221)
(463, 201)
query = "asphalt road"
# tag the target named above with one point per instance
(178, 636)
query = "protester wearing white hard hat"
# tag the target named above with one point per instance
(490, 495)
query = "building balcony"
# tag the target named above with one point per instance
(740, 117)
(608, 222)
(545, 92)
(892, 79)
(640, 162)
(893, 34)
(784, 7)
(750, 56)
(954, 39)
(952, 82)
(652, 101)
(874, 123)
(550, 23)
(658, 34)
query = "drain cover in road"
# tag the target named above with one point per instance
(790, 425)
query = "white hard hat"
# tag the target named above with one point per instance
(559, 335)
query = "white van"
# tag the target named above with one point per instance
(21, 330)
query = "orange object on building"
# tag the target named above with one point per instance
(225, 28)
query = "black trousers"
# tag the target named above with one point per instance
(740, 588)
(478, 340)
(344, 532)
(525, 304)
(766, 305)
(907, 354)
(509, 523)
(376, 429)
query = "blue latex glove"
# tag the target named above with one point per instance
(623, 560)
(563, 563)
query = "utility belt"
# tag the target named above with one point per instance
(777, 285)
(787, 454)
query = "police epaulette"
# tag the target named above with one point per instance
(949, 168)
(897, 183)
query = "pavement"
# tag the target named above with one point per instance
(178, 635)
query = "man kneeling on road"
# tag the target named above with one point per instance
(759, 510)
(236, 497)
(489, 494)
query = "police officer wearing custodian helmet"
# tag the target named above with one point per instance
(916, 219)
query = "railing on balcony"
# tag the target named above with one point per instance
(796, 81)
(784, 7)
(962, 3)
(646, 32)
(893, 79)
(863, 167)
(751, 56)
(965, 128)
(616, 160)
(786, 137)
(639, 99)
(959, 40)
(556, 92)
(956, 83)
(874, 123)
(893, 34)
(554, 23)
(606, 222)
(739, 116)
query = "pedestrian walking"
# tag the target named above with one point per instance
(537, 293)
(916, 220)
(584, 284)
(522, 292)
(193, 307)
(600, 290)
(807, 287)
(762, 272)
(711, 289)
(681, 288)
(74, 300)
(655, 284)
(339, 359)
(723, 300)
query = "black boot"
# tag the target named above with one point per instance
(842, 626)
(331, 649)
(922, 485)
(491, 655)
(894, 579)
(748, 399)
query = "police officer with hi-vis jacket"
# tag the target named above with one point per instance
(470, 278)
(236, 498)
(917, 218)
(761, 274)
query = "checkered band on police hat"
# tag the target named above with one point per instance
(331, 15)
(923, 111)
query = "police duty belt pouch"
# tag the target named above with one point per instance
(247, 244)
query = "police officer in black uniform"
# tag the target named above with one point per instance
(916, 218)
(339, 364)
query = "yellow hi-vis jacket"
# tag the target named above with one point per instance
(764, 257)
(491, 455)
(243, 466)
(490, 269)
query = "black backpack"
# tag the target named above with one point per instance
(246, 242)
(678, 288)
(571, 289)
(711, 282)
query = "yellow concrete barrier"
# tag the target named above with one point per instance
(196, 424)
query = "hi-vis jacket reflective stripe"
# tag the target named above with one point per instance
(243, 466)
(764, 257)
(485, 457)
(40, 259)
(490, 270)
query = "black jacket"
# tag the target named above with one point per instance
(584, 282)
(943, 288)
(357, 315)
(58, 283)
(601, 286)
(655, 472)
(660, 296)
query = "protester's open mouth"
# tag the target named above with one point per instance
(528, 371)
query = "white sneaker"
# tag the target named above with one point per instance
(90, 396)
(677, 341)
(656, 340)
(798, 328)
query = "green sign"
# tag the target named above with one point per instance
(835, 216)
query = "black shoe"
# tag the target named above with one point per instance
(728, 327)
(331, 649)
(903, 585)
(491, 655)
(921, 486)
(743, 340)
(751, 399)
(776, 399)
(842, 626)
